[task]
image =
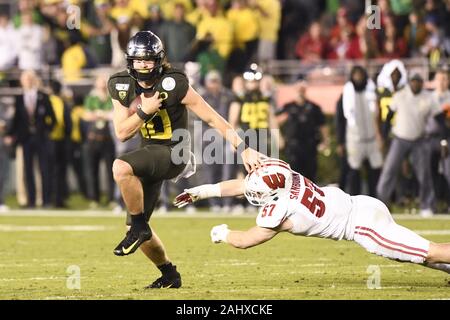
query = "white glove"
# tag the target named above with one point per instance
(197, 193)
(219, 233)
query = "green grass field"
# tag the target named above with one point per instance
(37, 252)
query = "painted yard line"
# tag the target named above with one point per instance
(17, 228)
(61, 213)
(109, 214)
(20, 228)
(31, 279)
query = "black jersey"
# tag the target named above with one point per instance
(255, 111)
(172, 87)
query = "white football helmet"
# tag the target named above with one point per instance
(271, 179)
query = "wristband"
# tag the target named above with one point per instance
(141, 114)
(210, 191)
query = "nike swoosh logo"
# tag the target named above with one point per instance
(127, 251)
(169, 286)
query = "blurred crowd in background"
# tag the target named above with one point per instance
(223, 35)
(388, 136)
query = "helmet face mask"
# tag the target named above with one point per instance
(146, 46)
(272, 179)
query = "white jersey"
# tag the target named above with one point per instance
(318, 212)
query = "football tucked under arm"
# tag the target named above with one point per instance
(227, 188)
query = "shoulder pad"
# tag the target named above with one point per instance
(121, 86)
(272, 214)
(175, 85)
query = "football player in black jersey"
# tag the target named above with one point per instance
(160, 96)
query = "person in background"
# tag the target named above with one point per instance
(56, 17)
(445, 17)
(439, 139)
(363, 44)
(340, 36)
(6, 145)
(415, 34)
(393, 46)
(125, 17)
(29, 43)
(311, 47)
(412, 107)
(98, 30)
(76, 148)
(433, 47)
(391, 79)
(204, 53)
(155, 20)
(362, 136)
(253, 113)
(7, 43)
(342, 23)
(31, 126)
(178, 35)
(268, 11)
(303, 127)
(28, 6)
(58, 142)
(246, 26)
(76, 57)
(200, 11)
(215, 28)
(100, 143)
(221, 98)
(340, 124)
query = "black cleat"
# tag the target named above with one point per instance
(165, 282)
(132, 242)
